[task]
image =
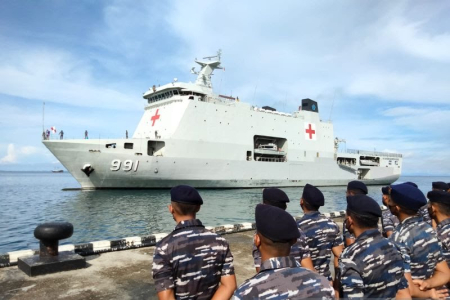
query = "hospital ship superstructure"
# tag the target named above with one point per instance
(190, 135)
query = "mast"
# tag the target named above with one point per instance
(207, 68)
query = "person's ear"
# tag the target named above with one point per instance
(301, 201)
(171, 210)
(257, 240)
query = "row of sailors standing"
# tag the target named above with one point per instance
(292, 258)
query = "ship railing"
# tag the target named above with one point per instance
(374, 153)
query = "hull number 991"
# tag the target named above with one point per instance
(127, 165)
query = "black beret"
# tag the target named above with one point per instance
(412, 183)
(408, 196)
(439, 196)
(385, 190)
(440, 185)
(275, 224)
(313, 195)
(185, 194)
(363, 205)
(274, 195)
(357, 185)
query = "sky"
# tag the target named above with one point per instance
(380, 70)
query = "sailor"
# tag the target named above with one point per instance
(322, 233)
(300, 250)
(61, 135)
(353, 188)
(439, 186)
(439, 207)
(371, 267)
(417, 242)
(126, 134)
(192, 262)
(388, 220)
(423, 211)
(280, 276)
(86, 135)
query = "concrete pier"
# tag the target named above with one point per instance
(114, 275)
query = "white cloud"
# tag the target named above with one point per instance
(58, 76)
(13, 155)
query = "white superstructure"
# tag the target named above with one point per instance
(189, 135)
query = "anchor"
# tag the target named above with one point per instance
(87, 169)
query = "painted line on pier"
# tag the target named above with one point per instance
(97, 247)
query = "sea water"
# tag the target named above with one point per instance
(30, 198)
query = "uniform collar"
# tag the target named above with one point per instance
(312, 214)
(443, 223)
(368, 234)
(279, 263)
(189, 223)
(411, 219)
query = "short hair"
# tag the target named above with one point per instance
(184, 209)
(443, 208)
(406, 210)
(281, 205)
(309, 206)
(357, 192)
(277, 246)
(364, 221)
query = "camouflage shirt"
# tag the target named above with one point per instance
(322, 235)
(283, 278)
(423, 212)
(388, 221)
(371, 267)
(191, 261)
(299, 250)
(419, 247)
(443, 234)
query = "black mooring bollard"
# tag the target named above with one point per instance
(49, 235)
(49, 259)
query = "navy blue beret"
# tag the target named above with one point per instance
(274, 195)
(439, 196)
(408, 196)
(313, 195)
(385, 190)
(275, 224)
(357, 185)
(412, 183)
(440, 185)
(363, 205)
(185, 194)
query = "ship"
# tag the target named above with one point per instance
(190, 135)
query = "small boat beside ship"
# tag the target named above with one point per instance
(190, 135)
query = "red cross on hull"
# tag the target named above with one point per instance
(155, 117)
(310, 131)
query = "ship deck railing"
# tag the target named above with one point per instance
(373, 153)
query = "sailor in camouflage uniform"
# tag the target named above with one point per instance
(423, 211)
(371, 267)
(323, 234)
(439, 207)
(300, 250)
(192, 262)
(388, 220)
(281, 276)
(353, 188)
(417, 242)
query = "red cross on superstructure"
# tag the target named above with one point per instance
(155, 117)
(310, 131)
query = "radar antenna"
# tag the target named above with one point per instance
(207, 68)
